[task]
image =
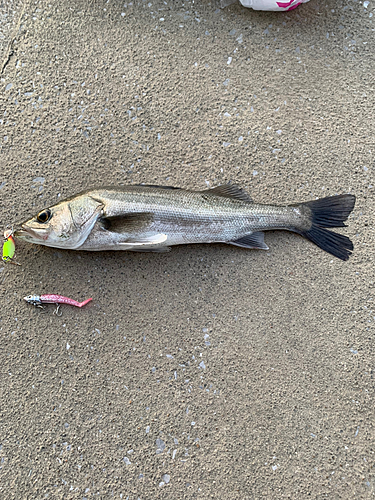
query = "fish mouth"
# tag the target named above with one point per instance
(28, 234)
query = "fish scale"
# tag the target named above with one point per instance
(188, 216)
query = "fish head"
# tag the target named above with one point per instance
(65, 225)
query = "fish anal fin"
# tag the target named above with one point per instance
(229, 191)
(253, 240)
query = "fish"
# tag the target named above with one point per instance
(150, 218)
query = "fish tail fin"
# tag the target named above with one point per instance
(329, 212)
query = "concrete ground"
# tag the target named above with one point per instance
(212, 371)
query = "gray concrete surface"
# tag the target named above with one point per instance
(212, 371)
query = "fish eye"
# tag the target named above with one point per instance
(44, 216)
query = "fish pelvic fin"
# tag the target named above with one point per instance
(253, 240)
(145, 241)
(329, 212)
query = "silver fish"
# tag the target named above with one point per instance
(154, 218)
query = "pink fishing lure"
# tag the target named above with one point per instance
(38, 300)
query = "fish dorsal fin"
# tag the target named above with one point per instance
(229, 191)
(157, 186)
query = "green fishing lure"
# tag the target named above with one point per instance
(9, 248)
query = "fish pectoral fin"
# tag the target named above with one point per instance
(146, 241)
(253, 240)
(229, 191)
(126, 223)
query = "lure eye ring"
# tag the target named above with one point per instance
(44, 216)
